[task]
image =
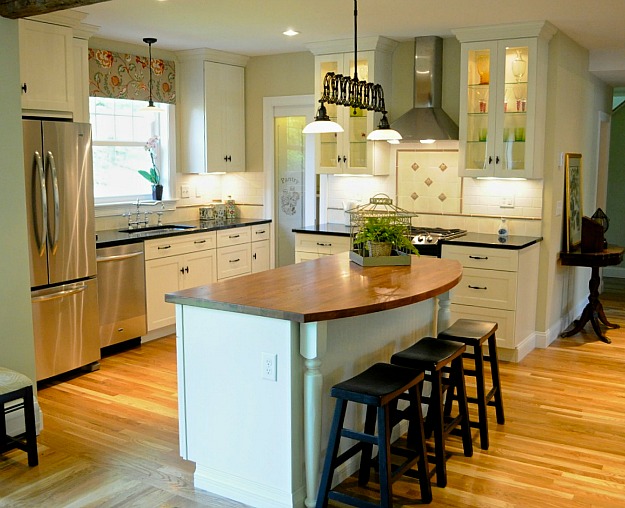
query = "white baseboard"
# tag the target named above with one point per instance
(244, 491)
(544, 339)
(158, 333)
(614, 271)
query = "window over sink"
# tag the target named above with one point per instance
(120, 131)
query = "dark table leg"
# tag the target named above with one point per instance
(593, 311)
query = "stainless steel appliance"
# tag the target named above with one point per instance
(426, 240)
(122, 311)
(59, 197)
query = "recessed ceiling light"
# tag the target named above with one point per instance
(290, 33)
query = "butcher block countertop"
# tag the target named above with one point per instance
(331, 287)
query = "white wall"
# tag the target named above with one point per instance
(17, 349)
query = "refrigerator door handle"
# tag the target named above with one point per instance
(55, 192)
(41, 239)
(59, 294)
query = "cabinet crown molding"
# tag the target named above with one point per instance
(375, 43)
(69, 18)
(211, 55)
(541, 29)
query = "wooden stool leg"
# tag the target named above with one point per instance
(384, 446)
(416, 441)
(367, 448)
(3, 428)
(31, 431)
(478, 357)
(494, 370)
(463, 407)
(331, 453)
(435, 420)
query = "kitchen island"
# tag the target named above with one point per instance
(257, 356)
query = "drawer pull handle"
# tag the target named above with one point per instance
(234, 260)
(260, 232)
(199, 241)
(164, 247)
(233, 236)
(324, 244)
(477, 287)
(478, 257)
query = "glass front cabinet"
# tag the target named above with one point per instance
(349, 152)
(503, 101)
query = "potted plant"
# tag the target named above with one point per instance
(153, 175)
(381, 235)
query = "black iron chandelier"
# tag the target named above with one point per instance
(353, 93)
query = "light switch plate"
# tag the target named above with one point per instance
(184, 191)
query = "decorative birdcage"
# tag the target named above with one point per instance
(380, 222)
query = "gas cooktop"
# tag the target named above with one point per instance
(426, 239)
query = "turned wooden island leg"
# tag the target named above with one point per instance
(313, 340)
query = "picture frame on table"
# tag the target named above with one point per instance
(573, 197)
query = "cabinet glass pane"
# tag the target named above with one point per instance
(328, 150)
(478, 108)
(515, 107)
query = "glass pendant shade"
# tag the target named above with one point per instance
(384, 131)
(322, 123)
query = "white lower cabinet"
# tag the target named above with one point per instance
(173, 264)
(498, 285)
(314, 246)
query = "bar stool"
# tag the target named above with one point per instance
(379, 388)
(16, 392)
(475, 333)
(433, 355)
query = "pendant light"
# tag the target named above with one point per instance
(150, 107)
(353, 93)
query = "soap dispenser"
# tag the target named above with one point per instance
(502, 230)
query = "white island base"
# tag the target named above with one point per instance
(248, 435)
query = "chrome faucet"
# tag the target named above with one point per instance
(138, 222)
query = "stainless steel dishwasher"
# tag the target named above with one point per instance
(121, 293)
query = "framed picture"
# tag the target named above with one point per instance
(573, 197)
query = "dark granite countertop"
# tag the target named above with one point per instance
(324, 229)
(515, 242)
(112, 237)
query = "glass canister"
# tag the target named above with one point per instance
(231, 211)
(207, 212)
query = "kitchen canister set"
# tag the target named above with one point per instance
(218, 211)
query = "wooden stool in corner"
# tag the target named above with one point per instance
(475, 333)
(379, 388)
(433, 355)
(16, 392)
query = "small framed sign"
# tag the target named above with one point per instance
(573, 197)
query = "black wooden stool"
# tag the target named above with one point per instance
(16, 392)
(475, 333)
(433, 355)
(379, 387)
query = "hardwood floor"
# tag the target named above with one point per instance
(110, 437)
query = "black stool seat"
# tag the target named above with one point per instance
(434, 356)
(379, 388)
(16, 392)
(475, 333)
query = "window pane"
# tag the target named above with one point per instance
(115, 171)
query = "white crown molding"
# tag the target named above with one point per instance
(211, 55)
(375, 43)
(541, 29)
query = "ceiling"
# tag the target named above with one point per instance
(254, 27)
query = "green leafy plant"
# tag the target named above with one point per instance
(385, 230)
(153, 175)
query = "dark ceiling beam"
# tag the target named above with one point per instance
(14, 9)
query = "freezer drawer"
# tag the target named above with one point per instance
(121, 293)
(65, 324)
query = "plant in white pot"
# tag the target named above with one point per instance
(153, 175)
(381, 235)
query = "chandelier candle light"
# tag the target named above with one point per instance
(353, 93)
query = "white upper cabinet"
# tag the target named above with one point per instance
(349, 152)
(503, 83)
(46, 67)
(212, 111)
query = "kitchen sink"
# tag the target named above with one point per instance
(153, 230)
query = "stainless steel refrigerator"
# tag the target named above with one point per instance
(59, 201)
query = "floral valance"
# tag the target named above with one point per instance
(123, 76)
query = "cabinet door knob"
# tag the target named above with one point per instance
(24, 88)
(497, 159)
(228, 158)
(344, 158)
(254, 256)
(490, 159)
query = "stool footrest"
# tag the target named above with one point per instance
(359, 436)
(344, 498)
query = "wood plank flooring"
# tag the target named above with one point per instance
(110, 437)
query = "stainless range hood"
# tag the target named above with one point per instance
(427, 120)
